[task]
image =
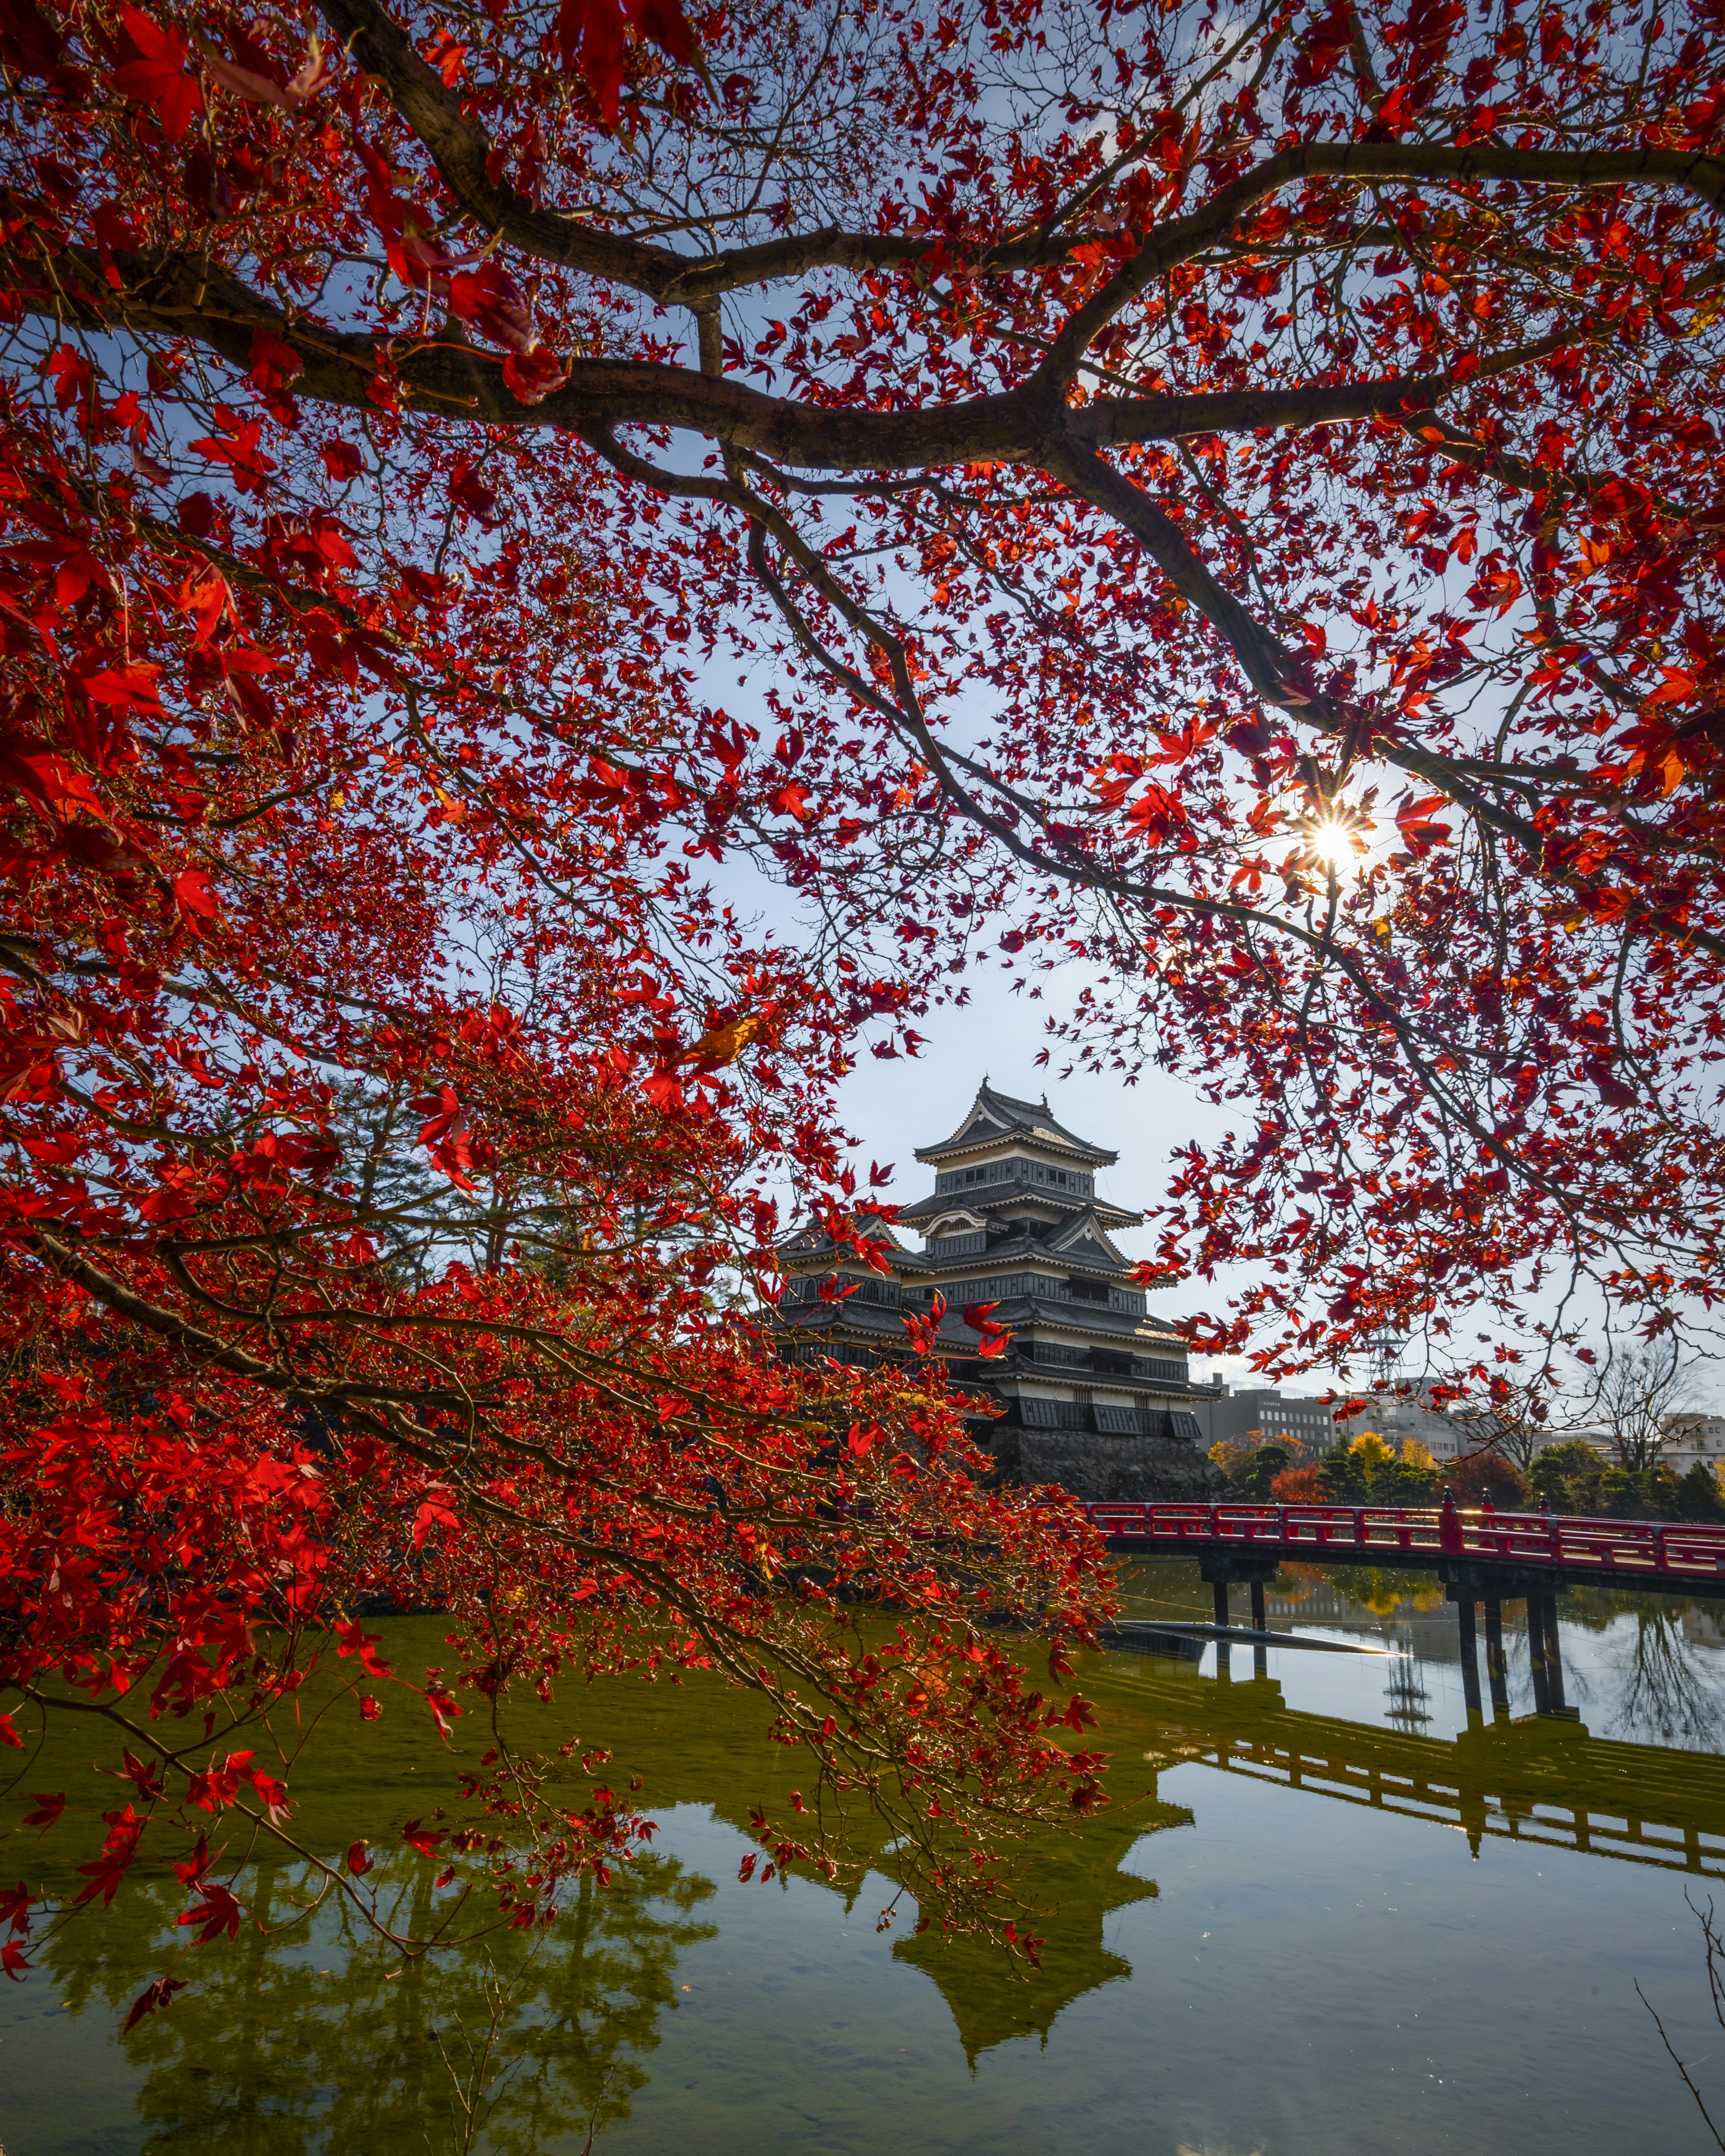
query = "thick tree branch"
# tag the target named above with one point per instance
(1108, 422)
(186, 295)
(182, 295)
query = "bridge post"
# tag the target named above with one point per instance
(1553, 1656)
(1496, 1673)
(1470, 1659)
(1260, 1622)
(1218, 1592)
(1536, 1651)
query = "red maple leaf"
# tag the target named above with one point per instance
(217, 1913)
(157, 74)
(157, 1995)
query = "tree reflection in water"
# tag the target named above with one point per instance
(302, 2036)
(1667, 1689)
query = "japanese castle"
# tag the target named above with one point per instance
(1014, 1219)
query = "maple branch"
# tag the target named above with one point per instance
(461, 150)
(460, 147)
(1519, 473)
(1182, 238)
(209, 1347)
(183, 295)
(145, 1738)
(1269, 665)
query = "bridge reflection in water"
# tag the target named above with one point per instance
(1538, 1779)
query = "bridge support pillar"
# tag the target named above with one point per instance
(1260, 1622)
(1497, 1671)
(1470, 1659)
(1221, 1568)
(1494, 1585)
(1536, 1651)
(1553, 1655)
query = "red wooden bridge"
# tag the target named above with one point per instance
(1482, 1556)
(1652, 1554)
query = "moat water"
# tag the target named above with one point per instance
(1323, 1917)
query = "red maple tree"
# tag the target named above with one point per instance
(1230, 498)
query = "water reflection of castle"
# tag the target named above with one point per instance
(1082, 1885)
(1074, 1883)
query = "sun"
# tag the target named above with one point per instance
(1334, 840)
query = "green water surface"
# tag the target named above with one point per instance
(1323, 1915)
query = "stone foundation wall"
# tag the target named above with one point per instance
(1140, 1469)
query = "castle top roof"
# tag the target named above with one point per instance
(995, 1115)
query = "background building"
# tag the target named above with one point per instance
(1258, 1414)
(1395, 1418)
(1690, 1437)
(1246, 1414)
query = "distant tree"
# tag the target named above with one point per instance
(1641, 1493)
(1410, 1477)
(1252, 1468)
(1299, 1486)
(1483, 1475)
(1366, 1471)
(1699, 1496)
(1346, 1471)
(1508, 1419)
(1265, 1465)
(1634, 1396)
(1565, 1478)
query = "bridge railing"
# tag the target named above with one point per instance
(1562, 1540)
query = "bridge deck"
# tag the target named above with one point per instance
(1663, 1555)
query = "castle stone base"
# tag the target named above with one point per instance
(1136, 1469)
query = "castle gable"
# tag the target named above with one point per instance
(1086, 1242)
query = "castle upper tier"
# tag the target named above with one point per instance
(1014, 1219)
